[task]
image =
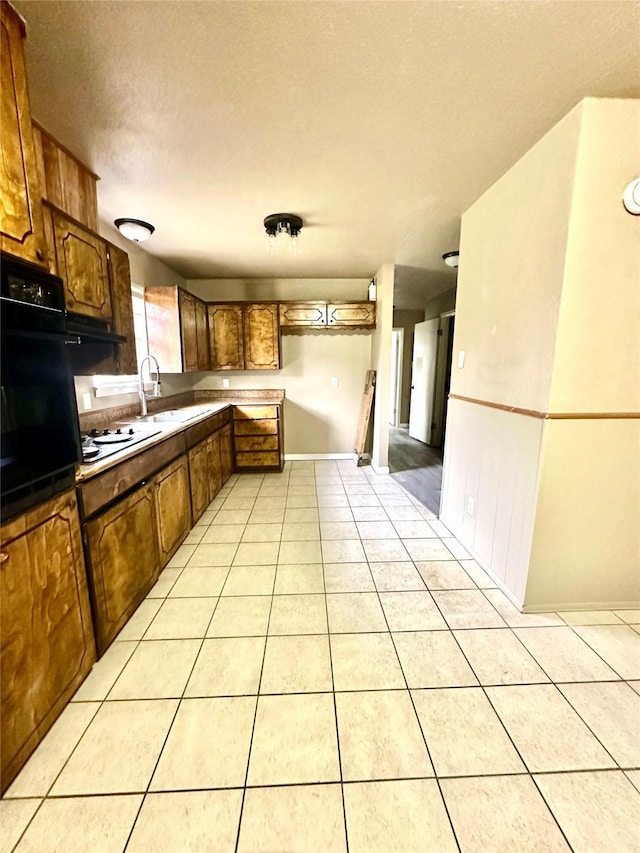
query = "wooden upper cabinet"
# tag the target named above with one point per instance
(188, 331)
(124, 562)
(81, 262)
(21, 222)
(226, 341)
(308, 314)
(202, 336)
(47, 635)
(122, 307)
(173, 507)
(173, 334)
(261, 337)
(65, 181)
(362, 314)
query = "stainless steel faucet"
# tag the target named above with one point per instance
(156, 383)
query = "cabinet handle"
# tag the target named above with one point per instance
(4, 558)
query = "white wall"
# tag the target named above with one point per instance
(319, 419)
(406, 319)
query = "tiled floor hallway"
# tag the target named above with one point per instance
(321, 668)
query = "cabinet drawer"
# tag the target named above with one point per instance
(258, 459)
(254, 412)
(256, 442)
(259, 427)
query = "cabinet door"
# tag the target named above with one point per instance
(261, 337)
(361, 314)
(21, 225)
(202, 335)
(308, 314)
(47, 645)
(199, 479)
(122, 547)
(226, 453)
(122, 305)
(173, 507)
(215, 469)
(188, 331)
(82, 264)
(226, 348)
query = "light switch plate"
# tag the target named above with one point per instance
(334, 381)
(461, 358)
(86, 400)
(225, 383)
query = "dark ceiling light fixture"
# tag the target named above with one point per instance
(283, 230)
(451, 258)
(134, 229)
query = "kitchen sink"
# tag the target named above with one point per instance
(174, 416)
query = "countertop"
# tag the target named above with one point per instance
(164, 430)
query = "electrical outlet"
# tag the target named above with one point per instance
(225, 383)
(471, 505)
(86, 400)
(461, 358)
(334, 381)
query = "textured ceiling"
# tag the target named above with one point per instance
(378, 122)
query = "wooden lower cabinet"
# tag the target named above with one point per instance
(215, 468)
(124, 560)
(47, 645)
(258, 439)
(199, 479)
(173, 507)
(226, 453)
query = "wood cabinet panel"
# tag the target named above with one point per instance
(257, 427)
(202, 335)
(21, 223)
(81, 260)
(261, 337)
(215, 468)
(226, 453)
(199, 479)
(188, 331)
(64, 181)
(259, 459)
(309, 314)
(173, 507)
(253, 412)
(122, 308)
(362, 314)
(226, 340)
(47, 644)
(103, 489)
(124, 561)
(256, 442)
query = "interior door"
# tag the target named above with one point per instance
(425, 350)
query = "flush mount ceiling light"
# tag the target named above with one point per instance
(134, 229)
(451, 258)
(283, 230)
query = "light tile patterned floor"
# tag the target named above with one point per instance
(322, 667)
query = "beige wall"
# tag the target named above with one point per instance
(440, 304)
(319, 419)
(381, 363)
(597, 358)
(406, 320)
(512, 255)
(547, 314)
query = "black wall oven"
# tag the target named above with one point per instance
(39, 420)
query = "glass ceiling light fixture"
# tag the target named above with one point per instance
(451, 258)
(134, 229)
(283, 230)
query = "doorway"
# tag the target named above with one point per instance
(395, 392)
(416, 453)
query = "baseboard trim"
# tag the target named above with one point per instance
(309, 457)
(380, 469)
(403, 426)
